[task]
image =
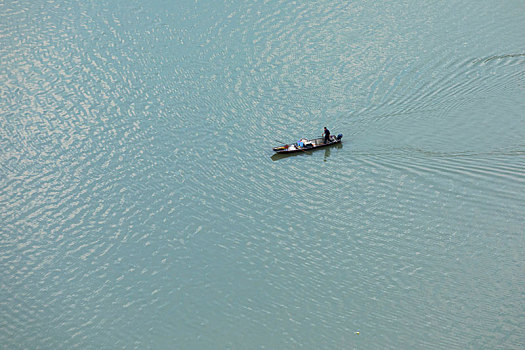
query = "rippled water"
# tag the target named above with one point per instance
(141, 207)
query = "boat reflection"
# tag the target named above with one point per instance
(279, 156)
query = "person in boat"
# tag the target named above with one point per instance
(326, 135)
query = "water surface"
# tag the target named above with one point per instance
(141, 207)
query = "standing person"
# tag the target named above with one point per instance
(326, 135)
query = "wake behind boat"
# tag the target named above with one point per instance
(307, 145)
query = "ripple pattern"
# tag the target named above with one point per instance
(140, 206)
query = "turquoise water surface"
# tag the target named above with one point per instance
(141, 205)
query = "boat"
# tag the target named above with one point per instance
(307, 145)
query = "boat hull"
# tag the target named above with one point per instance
(315, 144)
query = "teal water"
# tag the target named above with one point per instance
(141, 207)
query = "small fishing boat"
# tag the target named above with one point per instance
(306, 145)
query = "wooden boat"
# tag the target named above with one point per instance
(306, 145)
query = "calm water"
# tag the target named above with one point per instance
(141, 207)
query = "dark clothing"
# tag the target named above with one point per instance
(326, 135)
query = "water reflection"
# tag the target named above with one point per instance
(326, 153)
